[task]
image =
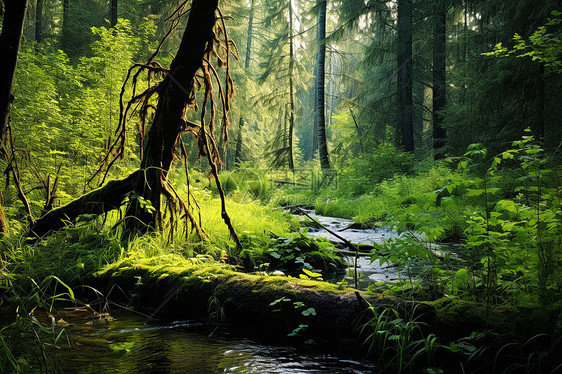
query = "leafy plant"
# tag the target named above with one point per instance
(28, 342)
(284, 303)
(397, 343)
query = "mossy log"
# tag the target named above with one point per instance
(266, 305)
(99, 201)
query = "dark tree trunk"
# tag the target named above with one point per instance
(113, 13)
(320, 109)
(169, 120)
(291, 89)
(539, 132)
(439, 88)
(405, 107)
(65, 23)
(167, 126)
(102, 200)
(39, 21)
(12, 29)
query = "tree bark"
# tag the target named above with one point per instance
(405, 102)
(238, 153)
(168, 124)
(12, 29)
(113, 13)
(320, 107)
(65, 23)
(247, 298)
(291, 89)
(439, 87)
(39, 21)
(249, 36)
(102, 200)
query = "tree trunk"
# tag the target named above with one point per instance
(39, 21)
(113, 13)
(291, 89)
(249, 37)
(169, 122)
(439, 88)
(405, 108)
(541, 118)
(247, 298)
(65, 23)
(12, 29)
(319, 110)
(238, 153)
(102, 200)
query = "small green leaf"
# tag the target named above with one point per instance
(311, 274)
(309, 312)
(123, 347)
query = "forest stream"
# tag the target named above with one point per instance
(128, 343)
(370, 272)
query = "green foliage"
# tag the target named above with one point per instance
(298, 255)
(396, 343)
(28, 342)
(365, 163)
(64, 115)
(503, 209)
(286, 306)
(124, 347)
(544, 45)
(245, 185)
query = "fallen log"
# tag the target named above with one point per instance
(99, 201)
(272, 306)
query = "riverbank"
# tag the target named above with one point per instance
(341, 320)
(182, 280)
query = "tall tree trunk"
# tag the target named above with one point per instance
(249, 36)
(405, 107)
(439, 87)
(113, 13)
(239, 140)
(65, 23)
(12, 30)
(320, 107)
(291, 88)
(169, 122)
(39, 21)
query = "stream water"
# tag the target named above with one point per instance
(368, 271)
(130, 344)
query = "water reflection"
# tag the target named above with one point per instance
(177, 348)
